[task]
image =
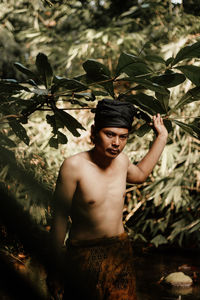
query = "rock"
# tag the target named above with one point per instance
(178, 279)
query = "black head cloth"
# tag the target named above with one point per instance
(114, 113)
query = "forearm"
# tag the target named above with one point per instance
(147, 164)
(60, 227)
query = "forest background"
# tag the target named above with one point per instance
(58, 58)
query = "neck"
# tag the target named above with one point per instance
(100, 160)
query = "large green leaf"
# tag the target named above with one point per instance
(70, 122)
(164, 100)
(25, 70)
(131, 65)
(44, 69)
(168, 125)
(95, 70)
(192, 129)
(191, 96)
(147, 84)
(10, 87)
(191, 72)
(169, 80)
(155, 58)
(19, 130)
(147, 103)
(69, 84)
(189, 51)
(100, 74)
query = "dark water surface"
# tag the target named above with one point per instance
(151, 267)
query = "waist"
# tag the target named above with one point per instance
(98, 241)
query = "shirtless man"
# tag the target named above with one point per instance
(91, 185)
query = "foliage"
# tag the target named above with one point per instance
(148, 59)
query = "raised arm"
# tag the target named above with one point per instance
(139, 173)
(62, 200)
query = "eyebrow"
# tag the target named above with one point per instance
(113, 133)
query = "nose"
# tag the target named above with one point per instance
(115, 142)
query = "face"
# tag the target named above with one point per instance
(111, 141)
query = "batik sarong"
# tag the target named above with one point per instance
(103, 269)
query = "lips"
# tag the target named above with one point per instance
(113, 151)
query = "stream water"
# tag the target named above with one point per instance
(151, 267)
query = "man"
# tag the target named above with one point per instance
(90, 189)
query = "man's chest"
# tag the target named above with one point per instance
(95, 186)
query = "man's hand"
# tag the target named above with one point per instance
(159, 126)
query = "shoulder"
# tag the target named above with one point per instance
(123, 159)
(72, 164)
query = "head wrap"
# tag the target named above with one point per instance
(114, 113)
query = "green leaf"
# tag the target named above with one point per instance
(100, 74)
(131, 65)
(155, 58)
(169, 60)
(69, 122)
(145, 128)
(147, 84)
(192, 129)
(169, 80)
(19, 130)
(44, 69)
(7, 87)
(147, 103)
(189, 51)
(159, 240)
(168, 125)
(69, 84)
(24, 70)
(62, 139)
(191, 72)
(191, 96)
(53, 142)
(164, 100)
(96, 70)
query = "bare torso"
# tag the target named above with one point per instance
(97, 204)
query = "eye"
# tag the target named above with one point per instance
(109, 134)
(123, 137)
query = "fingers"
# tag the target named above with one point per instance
(158, 119)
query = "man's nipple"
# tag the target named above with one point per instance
(91, 202)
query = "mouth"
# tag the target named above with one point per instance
(113, 151)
